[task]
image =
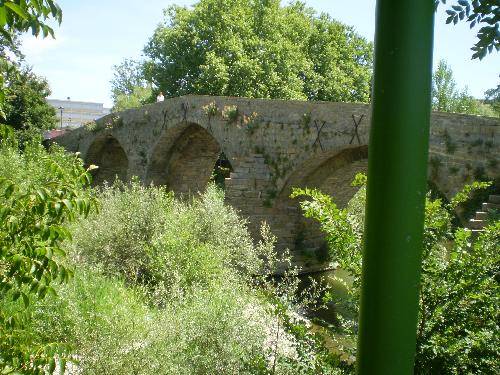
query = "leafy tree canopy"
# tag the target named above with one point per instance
(127, 76)
(258, 48)
(25, 105)
(446, 97)
(139, 96)
(478, 12)
(492, 97)
(17, 16)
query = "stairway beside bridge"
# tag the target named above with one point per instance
(482, 217)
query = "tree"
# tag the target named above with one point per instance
(459, 298)
(492, 97)
(138, 97)
(447, 98)
(127, 76)
(40, 193)
(25, 106)
(257, 48)
(21, 16)
(485, 12)
(17, 16)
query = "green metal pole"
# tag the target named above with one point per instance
(397, 176)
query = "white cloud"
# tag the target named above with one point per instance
(36, 47)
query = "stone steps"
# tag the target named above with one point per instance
(480, 220)
(490, 206)
(482, 215)
(495, 199)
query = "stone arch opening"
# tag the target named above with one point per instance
(186, 159)
(330, 172)
(107, 153)
(222, 171)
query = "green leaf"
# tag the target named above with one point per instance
(16, 295)
(52, 365)
(26, 299)
(17, 9)
(68, 204)
(9, 190)
(42, 194)
(3, 17)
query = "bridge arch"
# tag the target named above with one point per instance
(332, 173)
(184, 159)
(107, 153)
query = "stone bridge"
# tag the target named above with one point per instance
(267, 147)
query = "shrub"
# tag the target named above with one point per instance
(152, 238)
(212, 307)
(230, 113)
(112, 330)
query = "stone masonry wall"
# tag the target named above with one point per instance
(272, 145)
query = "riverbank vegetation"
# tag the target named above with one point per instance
(131, 278)
(459, 299)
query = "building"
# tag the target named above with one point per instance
(72, 114)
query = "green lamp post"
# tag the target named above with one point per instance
(397, 177)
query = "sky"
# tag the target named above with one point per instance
(97, 34)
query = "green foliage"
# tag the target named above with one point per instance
(20, 16)
(40, 192)
(459, 299)
(447, 98)
(129, 89)
(110, 328)
(230, 113)
(459, 304)
(137, 98)
(465, 194)
(492, 97)
(28, 15)
(211, 109)
(143, 237)
(25, 107)
(258, 49)
(195, 297)
(476, 12)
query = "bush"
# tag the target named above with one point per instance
(151, 238)
(211, 306)
(111, 330)
(459, 300)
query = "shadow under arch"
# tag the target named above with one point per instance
(332, 173)
(184, 159)
(107, 153)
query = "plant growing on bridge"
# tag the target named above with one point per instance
(230, 113)
(459, 282)
(250, 122)
(211, 109)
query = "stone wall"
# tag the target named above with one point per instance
(272, 146)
